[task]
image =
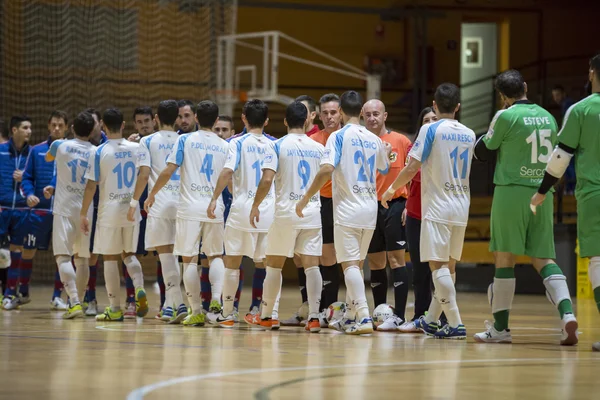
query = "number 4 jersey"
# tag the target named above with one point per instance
(524, 135)
(114, 167)
(445, 148)
(72, 157)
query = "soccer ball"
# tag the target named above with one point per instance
(4, 258)
(335, 311)
(382, 312)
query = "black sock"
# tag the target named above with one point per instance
(335, 283)
(379, 286)
(326, 282)
(302, 284)
(400, 276)
(421, 287)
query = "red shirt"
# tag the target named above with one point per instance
(413, 204)
(314, 130)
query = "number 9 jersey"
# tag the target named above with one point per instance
(114, 167)
(445, 148)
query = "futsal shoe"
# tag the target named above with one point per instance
(250, 315)
(213, 311)
(159, 315)
(313, 325)
(275, 324)
(236, 315)
(492, 335)
(194, 320)
(110, 316)
(74, 312)
(298, 318)
(225, 322)
(24, 300)
(180, 314)
(596, 346)
(447, 332)
(363, 327)
(141, 302)
(269, 323)
(58, 304)
(166, 314)
(92, 309)
(409, 327)
(391, 324)
(341, 324)
(130, 311)
(569, 331)
(429, 329)
(252, 319)
(10, 302)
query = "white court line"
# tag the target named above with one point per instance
(139, 393)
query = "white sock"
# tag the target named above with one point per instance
(170, 270)
(271, 288)
(356, 285)
(82, 274)
(232, 280)
(350, 310)
(113, 284)
(216, 276)
(314, 283)
(435, 310)
(191, 282)
(67, 277)
(446, 293)
(134, 269)
(594, 271)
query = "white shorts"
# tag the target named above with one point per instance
(285, 241)
(159, 232)
(440, 242)
(242, 243)
(67, 237)
(351, 244)
(113, 241)
(189, 233)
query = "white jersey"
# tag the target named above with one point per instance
(246, 154)
(154, 152)
(114, 166)
(71, 162)
(355, 153)
(445, 148)
(295, 159)
(200, 156)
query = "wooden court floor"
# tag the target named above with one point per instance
(44, 357)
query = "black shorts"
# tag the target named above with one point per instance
(327, 219)
(389, 233)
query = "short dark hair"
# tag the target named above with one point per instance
(183, 103)
(312, 106)
(17, 120)
(326, 98)
(447, 97)
(227, 118)
(295, 115)
(595, 64)
(511, 84)
(351, 103)
(83, 124)
(144, 110)
(207, 113)
(95, 112)
(256, 112)
(168, 111)
(59, 114)
(113, 119)
(560, 88)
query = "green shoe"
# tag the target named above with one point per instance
(73, 312)
(194, 320)
(109, 315)
(215, 307)
(179, 315)
(141, 303)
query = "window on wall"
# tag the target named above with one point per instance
(472, 52)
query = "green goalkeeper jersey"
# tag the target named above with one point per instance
(581, 131)
(524, 135)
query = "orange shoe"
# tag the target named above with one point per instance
(253, 319)
(269, 323)
(313, 325)
(225, 322)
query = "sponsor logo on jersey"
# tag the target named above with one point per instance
(393, 156)
(268, 158)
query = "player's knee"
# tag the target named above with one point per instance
(396, 258)
(28, 254)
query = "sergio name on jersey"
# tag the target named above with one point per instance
(200, 156)
(114, 166)
(355, 152)
(445, 148)
(154, 152)
(295, 158)
(245, 157)
(72, 159)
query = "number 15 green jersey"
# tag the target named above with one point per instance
(524, 135)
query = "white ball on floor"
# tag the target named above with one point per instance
(335, 311)
(382, 312)
(4, 258)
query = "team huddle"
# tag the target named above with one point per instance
(325, 198)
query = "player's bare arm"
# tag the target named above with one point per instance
(162, 180)
(140, 185)
(405, 176)
(224, 179)
(263, 190)
(321, 179)
(88, 197)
